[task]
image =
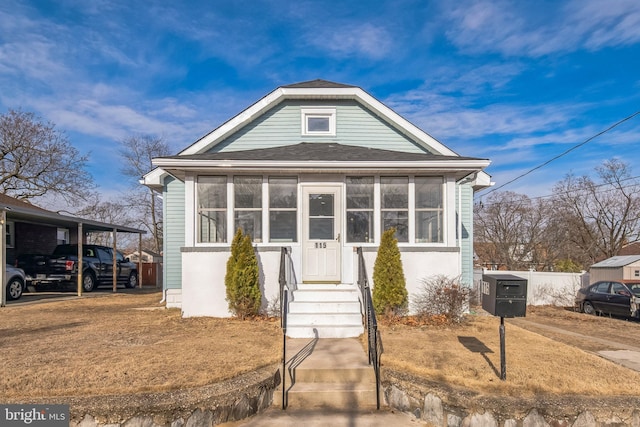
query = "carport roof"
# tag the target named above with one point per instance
(22, 211)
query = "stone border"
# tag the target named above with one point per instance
(231, 400)
(444, 406)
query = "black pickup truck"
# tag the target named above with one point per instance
(61, 267)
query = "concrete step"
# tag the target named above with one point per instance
(324, 307)
(324, 331)
(315, 295)
(325, 319)
(328, 373)
(329, 395)
(325, 311)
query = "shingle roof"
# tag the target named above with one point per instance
(317, 83)
(617, 261)
(12, 202)
(23, 211)
(316, 151)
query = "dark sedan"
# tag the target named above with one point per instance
(610, 297)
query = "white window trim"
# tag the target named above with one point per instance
(307, 112)
(10, 228)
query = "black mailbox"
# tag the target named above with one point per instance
(504, 295)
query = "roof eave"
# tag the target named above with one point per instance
(455, 168)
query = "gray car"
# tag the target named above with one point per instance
(15, 282)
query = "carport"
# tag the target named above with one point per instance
(17, 211)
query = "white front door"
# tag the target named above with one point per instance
(321, 260)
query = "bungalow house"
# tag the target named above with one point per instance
(322, 169)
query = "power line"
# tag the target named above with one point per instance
(563, 153)
(604, 184)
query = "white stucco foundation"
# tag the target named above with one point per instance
(203, 271)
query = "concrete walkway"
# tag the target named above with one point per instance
(325, 404)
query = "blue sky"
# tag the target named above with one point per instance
(517, 82)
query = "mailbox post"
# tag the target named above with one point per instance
(504, 295)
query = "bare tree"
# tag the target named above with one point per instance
(137, 152)
(600, 218)
(38, 160)
(508, 227)
(110, 213)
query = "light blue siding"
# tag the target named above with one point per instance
(466, 247)
(355, 125)
(173, 233)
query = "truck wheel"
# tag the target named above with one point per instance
(133, 280)
(88, 282)
(14, 289)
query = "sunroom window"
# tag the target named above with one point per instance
(360, 206)
(429, 210)
(248, 205)
(212, 209)
(283, 213)
(394, 199)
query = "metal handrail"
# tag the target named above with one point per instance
(284, 309)
(374, 340)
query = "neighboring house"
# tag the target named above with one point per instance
(148, 256)
(29, 229)
(321, 168)
(630, 249)
(32, 229)
(620, 268)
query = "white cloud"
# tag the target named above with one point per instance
(518, 29)
(353, 39)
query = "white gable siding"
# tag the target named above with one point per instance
(355, 125)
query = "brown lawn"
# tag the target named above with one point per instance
(128, 343)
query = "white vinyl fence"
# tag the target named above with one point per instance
(544, 287)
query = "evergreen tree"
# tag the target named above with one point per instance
(390, 296)
(231, 267)
(243, 289)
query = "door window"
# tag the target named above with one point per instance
(619, 289)
(321, 216)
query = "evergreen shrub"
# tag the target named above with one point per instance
(242, 279)
(390, 296)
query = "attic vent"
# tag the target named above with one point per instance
(318, 121)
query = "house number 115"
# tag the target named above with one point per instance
(321, 245)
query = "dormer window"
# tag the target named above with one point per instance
(318, 121)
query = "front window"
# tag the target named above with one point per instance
(212, 209)
(318, 121)
(429, 210)
(248, 205)
(395, 205)
(283, 209)
(360, 192)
